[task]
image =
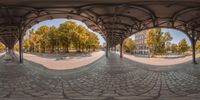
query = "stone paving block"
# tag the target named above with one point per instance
(115, 78)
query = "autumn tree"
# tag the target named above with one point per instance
(156, 40)
(173, 48)
(152, 40)
(66, 31)
(80, 37)
(42, 33)
(33, 41)
(168, 47)
(182, 46)
(198, 45)
(26, 44)
(52, 36)
(67, 36)
(2, 47)
(93, 42)
(128, 45)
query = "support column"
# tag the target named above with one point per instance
(121, 53)
(20, 49)
(115, 49)
(193, 42)
(107, 48)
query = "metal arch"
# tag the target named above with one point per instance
(104, 23)
(119, 23)
(179, 13)
(195, 21)
(18, 7)
(147, 10)
(184, 31)
(100, 31)
(115, 30)
(194, 28)
(90, 6)
(120, 15)
(139, 7)
(37, 11)
(2, 41)
(122, 24)
(124, 29)
(172, 27)
(182, 11)
(51, 14)
(111, 29)
(62, 10)
(88, 12)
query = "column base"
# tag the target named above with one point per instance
(194, 62)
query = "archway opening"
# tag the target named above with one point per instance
(62, 44)
(2, 48)
(159, 46)
(6, 53)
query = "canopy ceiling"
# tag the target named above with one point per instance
(113, 19)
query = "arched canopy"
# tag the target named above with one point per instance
(113, 19)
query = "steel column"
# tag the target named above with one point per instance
(20, 49)
(121, 43)
(193, 42)
(107, 48)
(115, 49)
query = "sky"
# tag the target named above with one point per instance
(57, 22)
(177, 35)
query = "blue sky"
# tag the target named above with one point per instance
(177, 35)
(57, 22)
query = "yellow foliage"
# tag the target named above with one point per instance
(182, 46)
(198, 45)
(2, 47)
(129, 45)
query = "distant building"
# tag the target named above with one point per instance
(141, 47)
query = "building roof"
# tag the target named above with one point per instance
(113, 19)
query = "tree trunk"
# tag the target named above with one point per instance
(67, 48)
(52, 49)
(89, 48)
(79, 44)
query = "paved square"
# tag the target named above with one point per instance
(106, 79)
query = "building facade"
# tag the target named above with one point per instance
(141, 47)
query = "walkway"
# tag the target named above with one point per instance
(65, 62)
(106, 79)
(1, 53)
(160, 61)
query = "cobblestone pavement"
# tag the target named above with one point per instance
(106, 79)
